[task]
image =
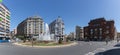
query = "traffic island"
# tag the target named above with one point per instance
(46, 45)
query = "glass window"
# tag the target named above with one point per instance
(91, 31)
(107, 27)
(96, 29)
(86, 33)
(100, 29)
(107, 31)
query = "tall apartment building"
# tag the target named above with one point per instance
(79, 33)
(100, 29)
(4, 21)
(57, 28)
(32, 26)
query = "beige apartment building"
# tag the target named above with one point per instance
(32, 26)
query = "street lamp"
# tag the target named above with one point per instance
(31, 39)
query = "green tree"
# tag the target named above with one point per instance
(67, 39)
(22, 38)
(60, 40)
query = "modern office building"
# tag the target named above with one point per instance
(4, 21)
(57, 28)
(32, 26)
(100, 29)
(79, 33)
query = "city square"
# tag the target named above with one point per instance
(59, 27)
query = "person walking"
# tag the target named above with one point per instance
(106, 40)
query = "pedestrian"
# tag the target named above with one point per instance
(106, 40)
(118, 40)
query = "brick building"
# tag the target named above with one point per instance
(99, 29)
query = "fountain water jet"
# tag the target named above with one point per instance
(46, 35)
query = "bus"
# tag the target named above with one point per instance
(4, 39)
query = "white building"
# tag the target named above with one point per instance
(4, 21)
(57, 28)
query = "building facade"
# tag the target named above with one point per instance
(100, 29)
(13, 33)
(118, 35)
(71, 36)
(79, 33)
(4, 21)
(32, 26)
(57, 28)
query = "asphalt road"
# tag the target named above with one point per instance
(110, 52)
(80, 49)
(114, 51)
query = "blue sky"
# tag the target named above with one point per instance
(73, 12)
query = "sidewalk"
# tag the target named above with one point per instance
(108, 46)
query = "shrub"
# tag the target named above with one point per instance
(60, 40)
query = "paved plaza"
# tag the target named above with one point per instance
(81, 48)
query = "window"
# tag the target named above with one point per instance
(95, 37)
(107, 27)
(96, 29)
(100, 31)
(91, 31)
(8, 17)
(107, 32)
(86, 33)
(96, 24)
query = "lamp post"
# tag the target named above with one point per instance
(32, 39)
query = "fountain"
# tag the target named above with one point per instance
(46, 35)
